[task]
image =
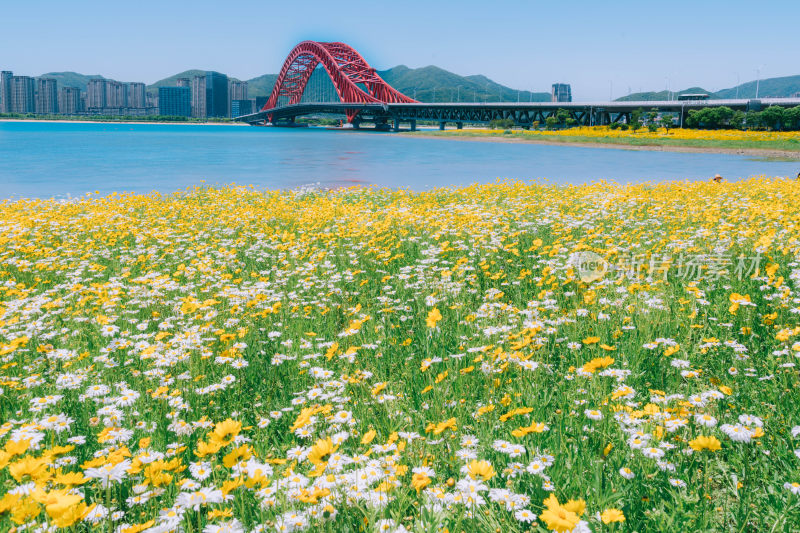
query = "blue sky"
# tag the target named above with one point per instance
(594, 45)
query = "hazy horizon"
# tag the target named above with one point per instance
(601, 50)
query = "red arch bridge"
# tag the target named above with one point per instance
(364, 96)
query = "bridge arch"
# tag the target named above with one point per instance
(346, 68)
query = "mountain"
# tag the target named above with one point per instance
(768, 88)
(784, 87)
(71, 79)
(663, 95)
(261, 86)
(432, 83)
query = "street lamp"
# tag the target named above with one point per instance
(758, 79)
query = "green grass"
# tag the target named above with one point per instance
(788, 145)
(213, 308)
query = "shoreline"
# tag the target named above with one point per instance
(124, 122)
(768, 153)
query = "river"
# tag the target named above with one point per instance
(59, 159)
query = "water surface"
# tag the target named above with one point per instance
(44, 159)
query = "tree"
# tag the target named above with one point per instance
(561, 116)
(501, 124)
(737, 120)
(551, 122)
(772, 117)
(791, 118)
(753, 120)
(636, 120)
(667, 121)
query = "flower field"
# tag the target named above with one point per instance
(506, 357)
(673, 133)
(677, 134)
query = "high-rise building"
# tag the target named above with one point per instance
(95, 94)
(152, 100)
(22, 95)
(46, 96)
(69, 101)
(5, 91)
(116, 94)
(175, 101)
(242, 107)
(199, 109)
(210, 95)
(136, 95)
(183, 82)
(216, 94)
(237, 90)
(261, 101)
(562, 92)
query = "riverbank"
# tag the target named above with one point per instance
(785, 147)
(177, 122)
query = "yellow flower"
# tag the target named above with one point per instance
(220, 513)
(225, 431)
(35, 469)
(534, 427)
(420, 480)
(597, 363)
(207, 448)
(71, 478)
(368, 436)
(321, 450)
(136, 528)
(705, 443)
(64, 508)
(242, 453)
(434, 316)
(439, 428)
(17, 447)
(557, 517)
(612, 515)
(480, 469)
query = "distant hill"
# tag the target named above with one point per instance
(663, 95)
(768, 88)
(261, 85)
(450, 87)
(784, 87)
(71, 79)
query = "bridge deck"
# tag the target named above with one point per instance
(522, 113)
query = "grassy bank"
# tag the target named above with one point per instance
(697, 139)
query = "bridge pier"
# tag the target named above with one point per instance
(441, 125)
(396, 125)
(413, 125)
(459, 125)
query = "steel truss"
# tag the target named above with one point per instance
(355, 81)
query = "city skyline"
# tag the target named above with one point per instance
(208, 95)
(600, 50)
